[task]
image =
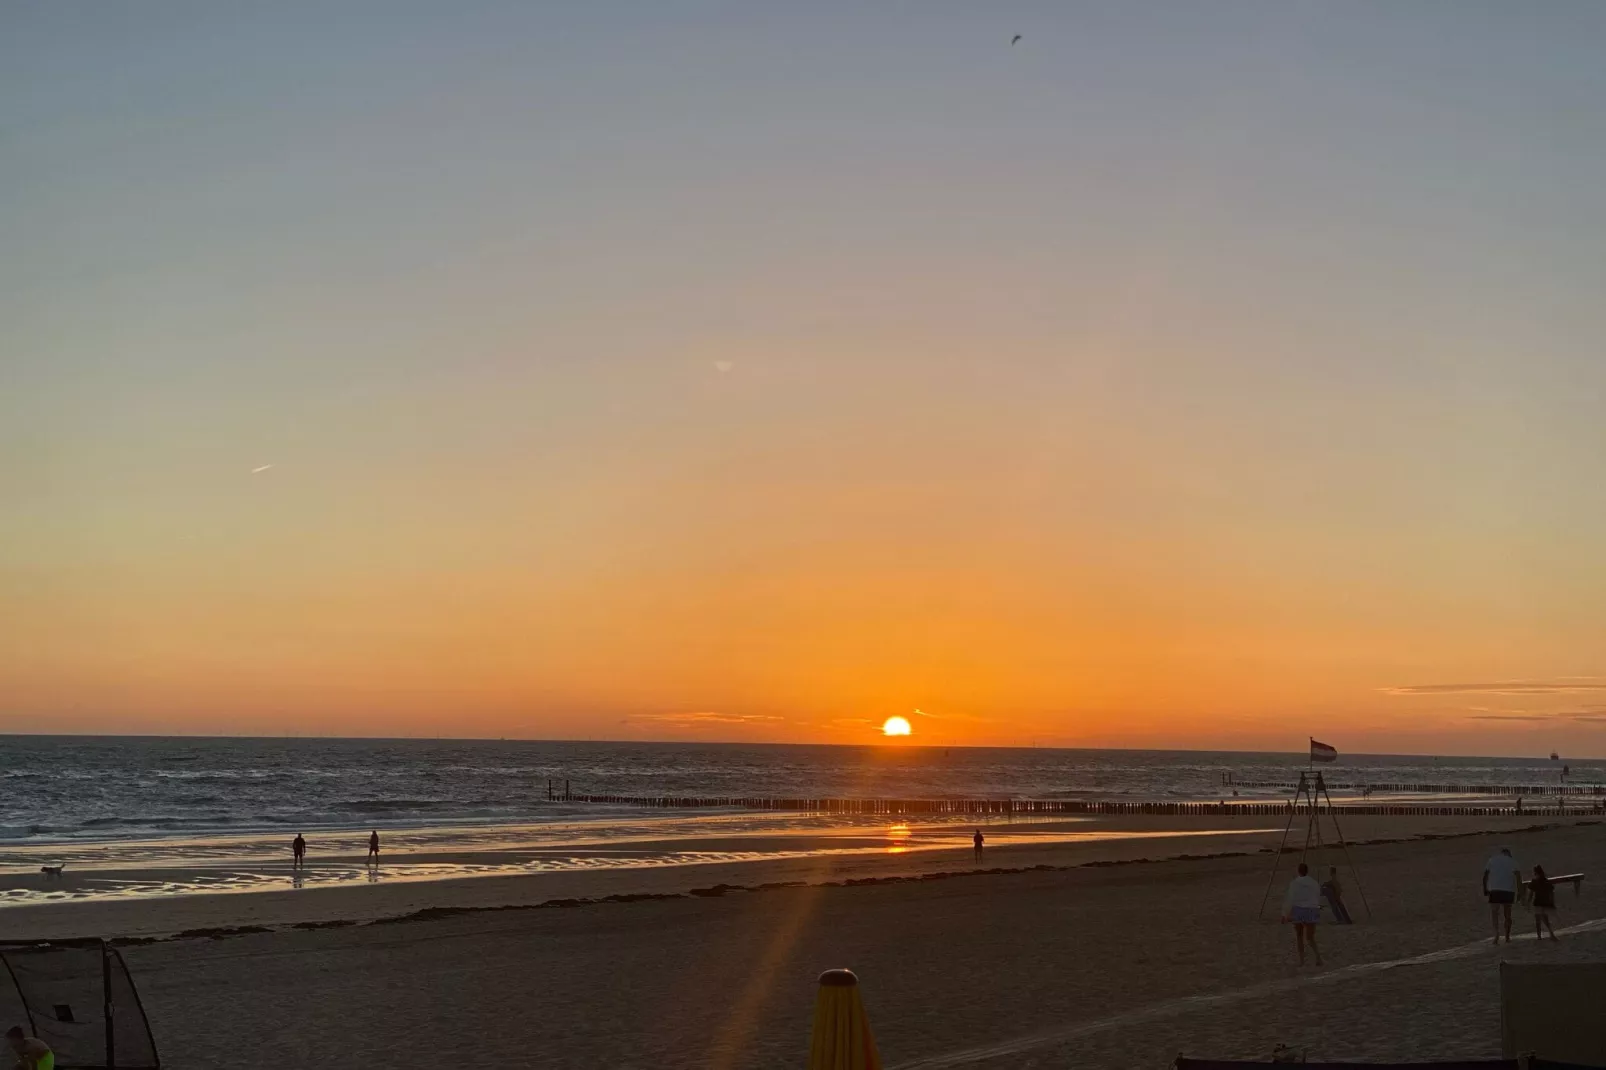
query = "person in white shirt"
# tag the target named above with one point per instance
(1303, 906)
(1501, 879)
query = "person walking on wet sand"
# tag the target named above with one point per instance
(298, 852)
(1501, 876)
(1544, 903)
(373, 848)
(978, 840)
(1303, 906)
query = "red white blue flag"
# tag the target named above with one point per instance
(1321, 752)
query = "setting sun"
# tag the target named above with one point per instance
(896, 726)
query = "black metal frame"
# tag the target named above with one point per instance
(107, 954)
(1309, 791)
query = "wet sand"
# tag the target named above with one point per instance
(198, 884)
(1099, 959)
(340, 888)
(182, 867)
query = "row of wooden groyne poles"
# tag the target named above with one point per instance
(1430, 789)
(1047, 807)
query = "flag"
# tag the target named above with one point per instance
(1321, 752)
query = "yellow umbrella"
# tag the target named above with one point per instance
(842, 1038)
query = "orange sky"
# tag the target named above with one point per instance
(1171, 379)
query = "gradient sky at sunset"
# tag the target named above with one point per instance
(1188, 374)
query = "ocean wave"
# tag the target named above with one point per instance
(227, 775)
(24, 832)
(380, 806)
(157, 822)
(199, 800)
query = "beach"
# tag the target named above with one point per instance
(1113, 951)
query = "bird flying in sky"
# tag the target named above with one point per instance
(1015, 42)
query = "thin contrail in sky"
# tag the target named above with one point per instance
(263, 468)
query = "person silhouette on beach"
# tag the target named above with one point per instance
(298, 851)
(1501, 876)
(1544, 903)
(373, 847)
(1333, 892)
(978, 840)
(1303, 906)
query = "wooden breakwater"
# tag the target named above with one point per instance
(1071, 807)
(1228, 781)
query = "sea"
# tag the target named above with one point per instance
(147, 816)
(85, 788)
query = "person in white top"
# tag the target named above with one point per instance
(1501, 880)
(1303, 906)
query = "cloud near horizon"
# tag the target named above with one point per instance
(1510, 687)
(699, 718)
(1593, 713)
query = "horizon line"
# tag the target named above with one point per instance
(900, 745)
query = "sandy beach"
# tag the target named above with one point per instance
(1117, 951)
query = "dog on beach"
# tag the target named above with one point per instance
(52, 871)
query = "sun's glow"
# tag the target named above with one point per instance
(896, 726)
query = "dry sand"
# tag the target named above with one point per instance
(1104, 964)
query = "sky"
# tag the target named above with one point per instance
(1183, 375)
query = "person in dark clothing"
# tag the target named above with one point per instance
(1544, 903)
(373, 847)
(298, 851)
(978, 840)
(1333, 892)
